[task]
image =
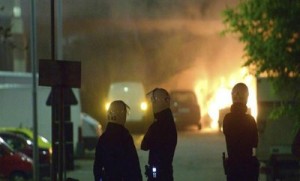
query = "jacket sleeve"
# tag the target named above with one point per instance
(147, 140)
(132, 163)
(98, 163)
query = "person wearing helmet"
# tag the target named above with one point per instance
(161, 138)
(241, 137)
(116, 158)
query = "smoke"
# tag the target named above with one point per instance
(162, 43)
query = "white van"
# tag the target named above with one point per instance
(133, 94)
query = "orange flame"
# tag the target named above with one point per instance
(215, 96)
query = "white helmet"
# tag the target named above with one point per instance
(240, 93)
(160, 99)
(117, 112)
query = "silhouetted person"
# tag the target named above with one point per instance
(116, 158)
(241, 136)
(161, 138)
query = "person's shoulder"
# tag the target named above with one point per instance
(250, 117)
(102, 140)
(231, 119)
(227, 117)
(102, 137)
(126, 134)
(155, 127)
(155, 124)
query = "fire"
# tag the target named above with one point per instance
(216, 95)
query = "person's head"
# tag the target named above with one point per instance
(240, 93)
(160, 99)
(117, 112)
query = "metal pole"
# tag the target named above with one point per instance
(59, 30)
(55, 107)
(60, 162)
(59, 56)
(52, 30)
(34, 91)
(54, 137)
(61, 136)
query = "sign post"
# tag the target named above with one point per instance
(61, 76)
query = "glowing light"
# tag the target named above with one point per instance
(144, 106)
(216, 96)
(17, 11)
(107, 106)
(29, 142)
(50, 151)
(44, 139)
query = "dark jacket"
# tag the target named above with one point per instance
(241, 136)
(240, 132)
(161, 141)
(116, 153)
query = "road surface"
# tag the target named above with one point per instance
(198, 156)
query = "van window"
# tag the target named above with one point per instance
(183, 97)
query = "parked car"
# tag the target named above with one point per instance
(24, 145)
(14, 165)
(185, 108)
(42, 142)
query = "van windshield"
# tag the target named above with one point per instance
(183, 97)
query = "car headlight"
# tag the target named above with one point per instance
(144, 106)
(107, 106)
